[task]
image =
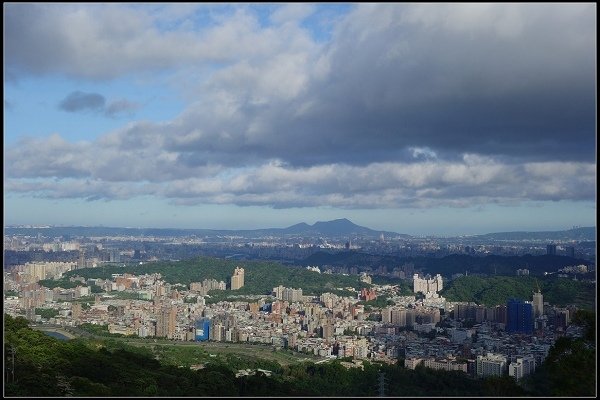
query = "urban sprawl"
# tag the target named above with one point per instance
(424, 328)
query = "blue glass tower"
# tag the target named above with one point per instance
(519, 316)
(202, 329)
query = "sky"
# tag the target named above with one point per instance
(441, 119)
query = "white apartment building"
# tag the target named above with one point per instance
(521, 366)
(491, 365)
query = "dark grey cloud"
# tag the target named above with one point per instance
(81, 101)
(514, 81)
(424, 75)
(408, 105)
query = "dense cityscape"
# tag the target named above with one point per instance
(406, 319)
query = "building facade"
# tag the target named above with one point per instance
(538, 304)
(520, 317)
(491, 365)
(521, 366)
(237, 280)
(426, 285)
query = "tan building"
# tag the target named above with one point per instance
(538, 304)
(444, 364)
(165, 322)
(237, 280)
(36, 271)
(427, 285)
(76, 311)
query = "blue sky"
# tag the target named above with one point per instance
(438, 119)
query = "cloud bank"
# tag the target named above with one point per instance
(407, 105)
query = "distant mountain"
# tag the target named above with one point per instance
(338, 227)
(298, 228)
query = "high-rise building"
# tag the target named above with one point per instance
(237, 280)
(538, 304)
(491, 365)
(561, 318)
(76, 311)
(81, 260)
(551, 249)
(202, 329)
(114, 255)
(570, 251)
(521, 366)
(519, 316)
(36, 271)
(500, 314)
(386, 315)
(398, 317)
(426, 285)
(217, 331)
(327, 330)
(166, 321)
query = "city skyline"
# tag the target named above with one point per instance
(441, 119)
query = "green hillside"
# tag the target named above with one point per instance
(260, 276)
(448, 265)
(497, 289)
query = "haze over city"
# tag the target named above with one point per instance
(441, 119)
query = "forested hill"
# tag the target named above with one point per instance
(448, 265)
(494, 290)
(260, 276)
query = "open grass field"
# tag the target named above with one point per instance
(192, 353)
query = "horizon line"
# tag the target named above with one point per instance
(46, 226)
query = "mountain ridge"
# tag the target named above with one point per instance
(336, 227)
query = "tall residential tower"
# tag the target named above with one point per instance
(237, 280)
(538, 303)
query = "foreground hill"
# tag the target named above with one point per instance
(47, 367)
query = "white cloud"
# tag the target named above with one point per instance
(408, 105)
(292, 13)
